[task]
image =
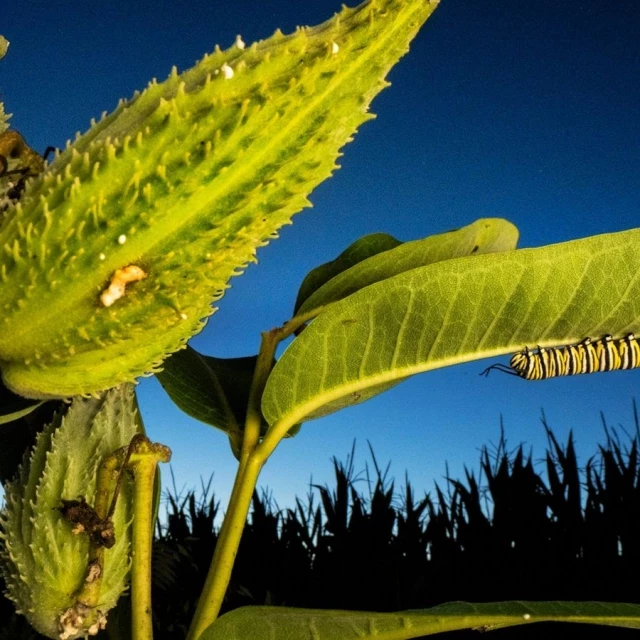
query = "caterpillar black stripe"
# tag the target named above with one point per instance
(588, 356)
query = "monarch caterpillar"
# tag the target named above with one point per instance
(588, 356)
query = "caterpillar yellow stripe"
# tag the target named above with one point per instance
(588, 356)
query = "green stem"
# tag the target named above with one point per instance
(264, 364)
(297, 322)
(244, 485)
(144, 459)
(226, 550)
(252, 458)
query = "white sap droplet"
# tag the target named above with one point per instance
(239, 43)
(526, 616)
(184, 316)
(227, 71)
(334, 48)
(111, 294)
(119, 281)
(102, 256)
(122, 239)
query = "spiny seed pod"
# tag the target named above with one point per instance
(48, 525)
(182, 183)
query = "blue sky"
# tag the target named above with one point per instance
(509, 108)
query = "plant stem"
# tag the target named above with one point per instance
(264, 364)
(297, 322)
(252, 459)
(144, 459)
(227, 545)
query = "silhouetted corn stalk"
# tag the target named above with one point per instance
(507, 531)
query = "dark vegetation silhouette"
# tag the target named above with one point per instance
(514, 530)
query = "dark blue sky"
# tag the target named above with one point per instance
(511, 108)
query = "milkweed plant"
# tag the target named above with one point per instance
(112, 253)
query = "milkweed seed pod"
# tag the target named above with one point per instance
(44, 563)
(183, 183)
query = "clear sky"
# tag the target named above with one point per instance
(510, 108)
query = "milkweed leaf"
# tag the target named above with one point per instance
(457, 311)
(285, 623)
(487, 235)
(212, 390)
(363, 248)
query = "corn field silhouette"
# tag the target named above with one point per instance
(512, 530)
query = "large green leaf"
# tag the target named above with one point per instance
(275, 623)
(360, 250)
(456, 311)
(212, 390)
(487, 235)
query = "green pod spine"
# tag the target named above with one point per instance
(43, 562)
(184, 182)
